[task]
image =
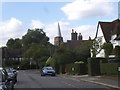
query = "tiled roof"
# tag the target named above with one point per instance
(110, 28)
(76, 43)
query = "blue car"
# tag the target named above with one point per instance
(48, 71)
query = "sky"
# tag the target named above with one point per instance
(80, 15)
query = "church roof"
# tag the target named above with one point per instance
(110, 28)
(59, 31)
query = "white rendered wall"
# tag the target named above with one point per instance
(101, 37)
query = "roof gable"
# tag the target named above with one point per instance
(110, 28)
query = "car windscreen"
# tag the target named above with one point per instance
(48, 68)
(9, 70)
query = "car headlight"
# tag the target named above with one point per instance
(53, 71)
(44, 71)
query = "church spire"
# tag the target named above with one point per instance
(58, 39)
(59, 31)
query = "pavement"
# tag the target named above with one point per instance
(112, 83)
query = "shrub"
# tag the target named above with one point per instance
(109, 68)
(94, 66)
(77, 68)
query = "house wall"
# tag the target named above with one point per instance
(118, 42)
(101, 41)
(101, 54)
(114, 42)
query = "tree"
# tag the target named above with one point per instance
(34, 36)
(37, 46)
(14, 43)
(64, 56)
(25, 64)
(10, 43)
(108, 48)
(17, 43)
(39, 53)
(83, 52)
(96, 47)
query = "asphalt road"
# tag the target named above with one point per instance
(33, 79)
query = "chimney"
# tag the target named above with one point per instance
(80, 36)
(89, 38)
(74, 35)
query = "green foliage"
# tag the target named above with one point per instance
(96, 47)
(79, 62)
(117, 51)
(49, 61)
(14, 43)
(109, 68)
(83, 52)
(93, 66)
(108, 48)
(34, 36)
(12, 63)
(39, 53)
(76, 68)
(100, 66)
(36, 47)
(64, 56)
(25, 64)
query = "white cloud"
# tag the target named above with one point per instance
(12, 28)
(87, 8)
(37, 24)
(86, 31)
(51, 30)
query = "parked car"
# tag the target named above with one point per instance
(5, 82)
(12, 74)
(48, 71)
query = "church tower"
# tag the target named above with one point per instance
(58, 39)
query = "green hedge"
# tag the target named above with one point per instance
(94, 66)
(78, 69)
(100, 66)
(109, 68)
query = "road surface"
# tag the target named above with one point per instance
(33, 79)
